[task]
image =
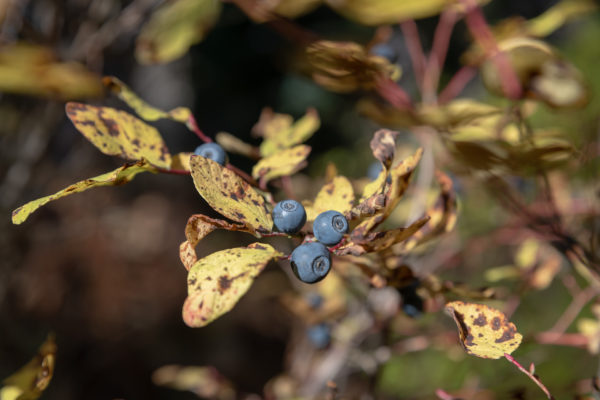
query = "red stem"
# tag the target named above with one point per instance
(457, 84)
(437, 57)
(529, 374)
(193, 126)
(415, 50)
(394, 94)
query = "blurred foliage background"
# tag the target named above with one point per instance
(101, 269)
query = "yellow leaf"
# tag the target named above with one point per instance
(382, 12)
(484, 331)
(33, 378)
(347, 66)
(557, 15)
(181, 161)
(34, 70)
(205, 382)
(527, 253)
(336, 195)
(173, 28)
(217, 282)
(118, 133)
(279, 133)
(143, 109)
(234, 145)
(231, 196)
(196, 229)
(400, 175)
(285, 162)
(117, 177)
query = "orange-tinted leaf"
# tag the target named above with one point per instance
(35, 70)
(336, 195)
(347, 66)
(29, 382)
(173, 28)
(230, 195)
(143, 109)
(118, 133)
(484, 331)
(283, 163)
(218, 281)
(196, 229)
(119, 176)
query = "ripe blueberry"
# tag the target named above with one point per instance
(212, 151)
(311, 262)
(319, 335)
(289, 216)
(329, 227)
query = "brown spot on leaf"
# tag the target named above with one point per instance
(480, 320)
(224, 283)
(496, 323)
(508, 334)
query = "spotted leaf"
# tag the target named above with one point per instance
(285, 162)
(117, 177)
(118, 133)
(29, 382)
(230, 195)
(196, 229)
(336, 195)
(143, 109)
(484, 331)
(218, 281)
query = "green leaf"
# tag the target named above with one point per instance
(34, 70)
(336, 195)
(230, 195)
(173, 28)
(118, 133)
(284, 163)
(143, 109)
(29, 382)
(218, 281)
(119, 176)
(559, 14)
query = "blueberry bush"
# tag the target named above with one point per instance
(409, 180)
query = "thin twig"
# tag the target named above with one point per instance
(415, 50)
(193, 126)
(394, 94)
(437, 57)
(457, 84)
(529, 374)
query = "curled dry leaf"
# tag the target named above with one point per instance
(205, 382)
(484, 331)
(383, 146)
(33, 378)
(117, 177)
(173, 28)
(118, 133)
(35, 70)
(218, 281)
(143, 109)
(283, 163)
(346, 66)
(230, 195)
(196, 229)
(280, 132)
(336, 195)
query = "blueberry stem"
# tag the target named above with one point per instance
(193, 126)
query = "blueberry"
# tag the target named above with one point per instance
(212, 151)
(289, 216)
(412, 304)
(374, 169)
(385, 50)
(311, 262)
(319, 335)
(329, 227)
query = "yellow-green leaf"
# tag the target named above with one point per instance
(119, 176)
(336, 195)
(279, 133)
(173, 28)
(347, 66)
(284, 163)
(180, 161)
(230, 195)
(143, 109)
(196, 229)
(34, 70)
(218, 281)
(557, 15)
(29, 382)
(233, 144)
(484, 331)
(118, 133)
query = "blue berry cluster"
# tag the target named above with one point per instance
(310, 261)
